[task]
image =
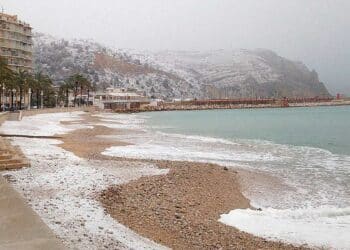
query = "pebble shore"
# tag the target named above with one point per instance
(93, 201)
(181, 209)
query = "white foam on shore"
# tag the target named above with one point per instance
(160, 152)
(320, 180)
(119, 125)
(326, 227)
(120, 121)
(43, 124)
(200, 138)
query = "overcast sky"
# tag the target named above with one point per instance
(316, 32)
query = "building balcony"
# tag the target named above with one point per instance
(9, 38)
(16, 47)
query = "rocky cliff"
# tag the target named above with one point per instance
(241, 73)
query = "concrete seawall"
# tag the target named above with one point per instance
(55, 110)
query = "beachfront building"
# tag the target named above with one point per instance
(16, 45)
(84, 98)
(16, 50)
(120, 99)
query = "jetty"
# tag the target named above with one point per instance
(240, 103)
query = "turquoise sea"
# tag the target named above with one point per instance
(320, 127)
(306, 149)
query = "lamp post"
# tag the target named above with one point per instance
(42, 99)
(88, 97)
(75, 93)
(29, 98)
(56, 99)
(13, 91)
(3, 96)
(9, 98)
(15, 96)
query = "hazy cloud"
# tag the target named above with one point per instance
(313, 31)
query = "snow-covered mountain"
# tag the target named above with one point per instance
(106, 67)
(178, 74)
(240, 73)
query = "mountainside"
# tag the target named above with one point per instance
(240, 73)
(105, 67)
(176, 74)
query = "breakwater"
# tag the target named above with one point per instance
(242, 104)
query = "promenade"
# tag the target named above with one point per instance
(20, 227)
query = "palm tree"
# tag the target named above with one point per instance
(49, 92)
(42, 84)
(36, 87)
(21, 81)
(32, 84)
(21, 78)
(85, 84)
(79, 82)
(72, 81)
(64, 92)
(6, 76)
(90, 87)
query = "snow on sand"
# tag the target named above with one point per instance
(62, 187)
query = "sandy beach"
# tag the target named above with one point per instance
(92, 201)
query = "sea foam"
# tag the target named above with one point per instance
(315, 210)
(326, 227)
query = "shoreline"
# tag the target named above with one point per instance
(136, 180)
(181, 209)
(121, 201)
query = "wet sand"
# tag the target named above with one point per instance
(179, 210)
(86, 142)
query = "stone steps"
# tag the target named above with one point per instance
(11, 157)
(5, 157)
(10, 161)
(12, 166)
